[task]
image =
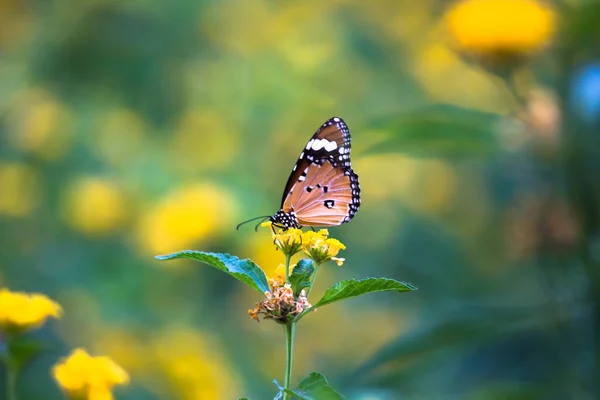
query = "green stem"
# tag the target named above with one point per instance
(11, 381)
(287, 268)
(290, 330)
(12, 369)
(314, 277)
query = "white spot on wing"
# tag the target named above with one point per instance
(301, 178)
(310, 142)
(336, 119)
(318, 144)
(331, 146)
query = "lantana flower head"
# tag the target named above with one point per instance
(83, 377)
(280, 304)
(22, 311)
(320, 248)
(289, 241)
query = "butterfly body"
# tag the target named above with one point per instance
(322, 189)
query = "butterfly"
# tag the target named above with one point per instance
(322, 189)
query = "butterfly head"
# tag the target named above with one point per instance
(285, 219)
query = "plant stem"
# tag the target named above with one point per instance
(287, 268)
(11, 368)
(314, 277)
(11, 381)
(290, 329)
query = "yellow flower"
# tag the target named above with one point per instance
(500, 28)
(191, 366)
(82, 376)
(320, 248)
(21, 311)
(187, 216)
(278, 275)
(289, 241)
(94, 206)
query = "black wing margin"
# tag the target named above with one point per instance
(331, 142)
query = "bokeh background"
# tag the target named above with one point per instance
(135, 128)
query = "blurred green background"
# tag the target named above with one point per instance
(131, 129)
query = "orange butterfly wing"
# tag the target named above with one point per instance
(325, 197)
(323, 190)
(332, 132)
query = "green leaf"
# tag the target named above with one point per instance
(316, 387)
(352, 288)
(244, 270)
(439, 131)
(456, 332)
(301, 275)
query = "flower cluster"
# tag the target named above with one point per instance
(22, 311)
(316, 245)
(280, 304)
(85, 377)
(500, 28)
(288, 241)
(320, 248)
(81, 376)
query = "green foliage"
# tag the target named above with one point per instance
(439, 131)
(316, 387)
(301, 275)
(243, 270)
(352, 288)
(22, 351)
(454, 331)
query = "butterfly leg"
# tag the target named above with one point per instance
(285, 228)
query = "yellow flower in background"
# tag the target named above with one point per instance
(187, 216)
(263, 252)
(93, 205)
(19, 189)
(174, 363)
(40, 124)
(84, 377)
(320, 248)
(21, 311)
(193, 365)
(500, 28)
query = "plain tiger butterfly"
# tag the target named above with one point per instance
(322, 189)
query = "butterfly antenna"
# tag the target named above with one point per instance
(253, 219)
(263, 220)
